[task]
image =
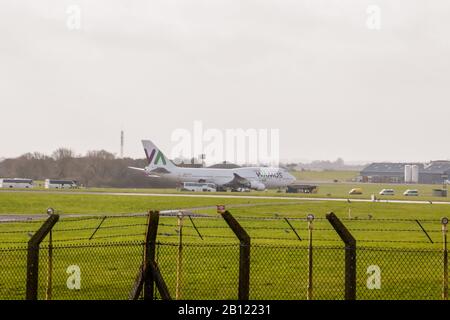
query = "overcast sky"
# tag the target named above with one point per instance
(313, 69)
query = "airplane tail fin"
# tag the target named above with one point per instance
(155, 157)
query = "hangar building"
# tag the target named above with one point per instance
(435, 172)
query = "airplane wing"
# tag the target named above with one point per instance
(237, 182)
(241, 182)
(138, 169)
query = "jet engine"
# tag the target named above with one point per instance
(257, 186)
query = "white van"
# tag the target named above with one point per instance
(387, 192)
(199, 187)
(411, 193)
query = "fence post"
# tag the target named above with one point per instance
(33, 257)
(445, 275)
(150, 250)
(350, 255)
(179, 257)
(48, 295)
(244, 255)
(310, 219)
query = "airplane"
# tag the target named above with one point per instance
(256, 178)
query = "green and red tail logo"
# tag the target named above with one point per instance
(159, 157)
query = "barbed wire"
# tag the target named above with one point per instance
(268, 228)
(66, 218)
(101, 237)
(20, 221)
(398, 241)
(102, 227)
(60, 227)
(17, 231)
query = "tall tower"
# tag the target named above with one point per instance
(122, 141)
(203, 158)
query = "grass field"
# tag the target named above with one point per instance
(387, 236)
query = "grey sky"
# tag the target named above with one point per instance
(312, 68)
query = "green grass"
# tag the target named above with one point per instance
(411, 265)
(38, 202)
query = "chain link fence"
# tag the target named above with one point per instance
(99, 258)
(107, 271)
(390, 274)
(13, 272)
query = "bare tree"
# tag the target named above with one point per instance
(99, 168)
(63, 153)
(64, 158)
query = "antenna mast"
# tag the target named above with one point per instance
(122, 140)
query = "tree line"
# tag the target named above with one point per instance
(95, 169)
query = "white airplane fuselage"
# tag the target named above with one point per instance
(268, 177)
(258, 178)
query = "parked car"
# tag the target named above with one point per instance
(240, 189)
(387, 192)
(198, 187)
(356, 191)
(411, 193)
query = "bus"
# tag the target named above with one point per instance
(16, 183)
(60, 184)
(198, 187)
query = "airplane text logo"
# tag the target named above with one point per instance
(269, 174)
(159, 157)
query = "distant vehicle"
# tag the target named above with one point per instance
(198, 187)
(241, 189)
(302, 188)
(356, 191)
(60, 184)
(16, 183)
(387, 192)
(411, 193)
